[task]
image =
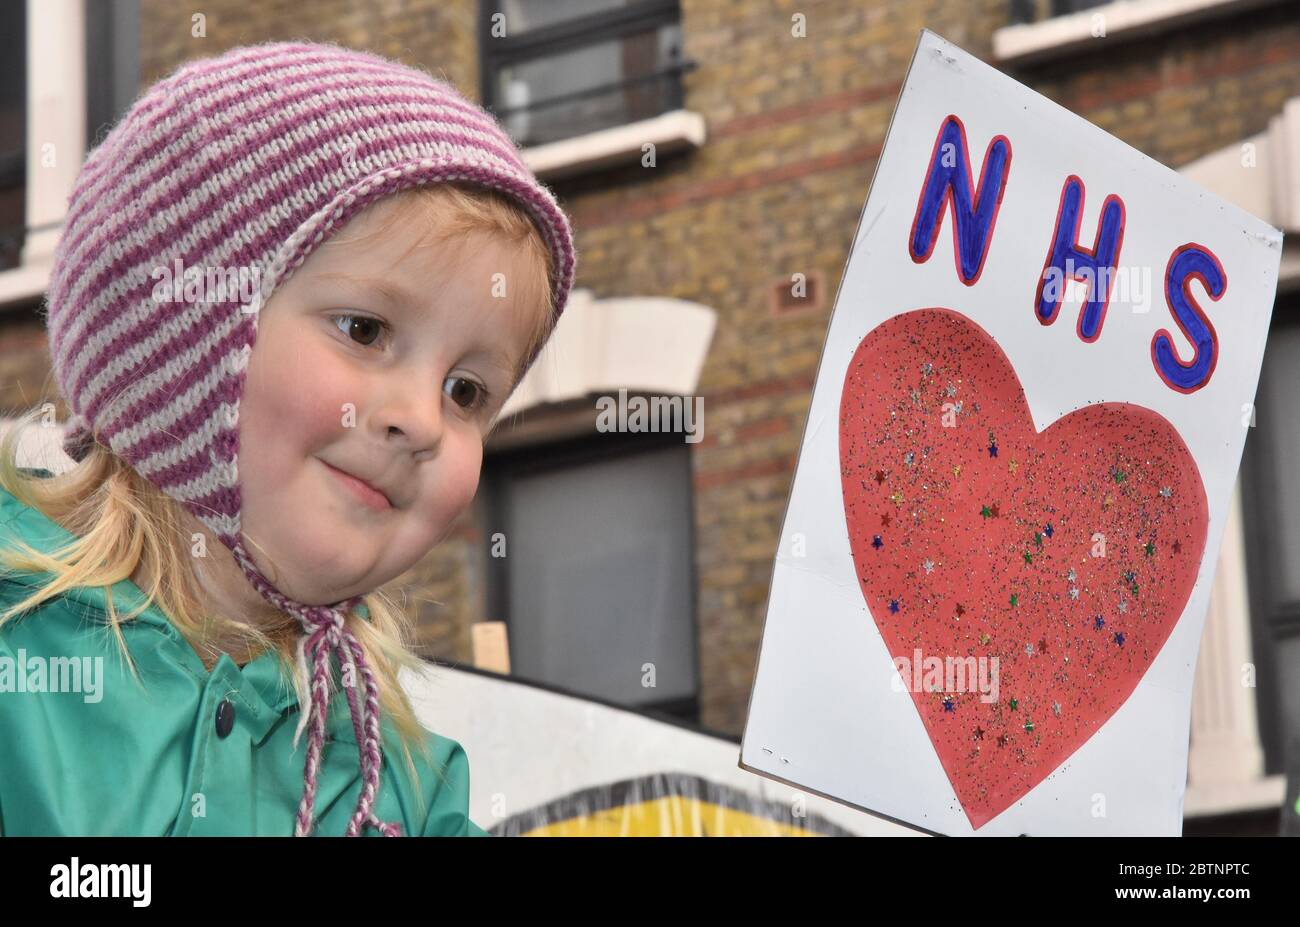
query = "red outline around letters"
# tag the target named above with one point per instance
(1200, 313)
(946, 205)
(1090, 252)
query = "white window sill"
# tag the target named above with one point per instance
(671, 132)
(1124, 19)
(1208, 799)
(25, 282)
(649, 343)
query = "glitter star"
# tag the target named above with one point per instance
(956, 471)
(1072, 576)
(993, 450)
(1166, 491)
(984, 638)
(1177, 547)
(929, 566)
(1029, 649)
(1014, 599)
(1029, 726)
(927, 368)
(1056, 709)
(994, 510)
(1123, 606)
(1105, 504)
(1100, 622)
(952, 390)
(1003, 740)
(1119, 475)
(880, 476)
(1048, 530)
(896, 497)
(1028, 557)
(884, 520)
(979, 733)
(1119, 638)
(893, 606)
(961, 609)
(949, 704)
(877, 543)
(909, 458)
(1150, 548)
(985, 512)
(1042, 645)
(1013, 466)
(1038, 539)
(1015, 704)
(1074, 592)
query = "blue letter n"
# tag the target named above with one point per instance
(949, 182)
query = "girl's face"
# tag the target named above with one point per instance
(386, 361)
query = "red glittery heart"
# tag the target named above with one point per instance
(955, 505)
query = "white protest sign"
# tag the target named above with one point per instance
(1025, 429)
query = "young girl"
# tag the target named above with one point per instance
(295, 287)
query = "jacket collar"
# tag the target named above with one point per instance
(34, 528)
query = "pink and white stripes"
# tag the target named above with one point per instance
(248, 160)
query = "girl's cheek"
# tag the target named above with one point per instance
(294, 406)
(455, 481)
(313, 392)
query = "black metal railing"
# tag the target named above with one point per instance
(599, 106)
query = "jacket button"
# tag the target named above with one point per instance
(225, 718)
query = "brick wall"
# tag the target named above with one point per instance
(438, 35)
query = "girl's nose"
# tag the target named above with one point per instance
(412, 418)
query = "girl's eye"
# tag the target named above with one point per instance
(471, 399)
(361, 325)
(466, 393)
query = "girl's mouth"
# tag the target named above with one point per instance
(360, 490)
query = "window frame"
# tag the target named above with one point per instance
(1053, 37)
(84, 71)
(14, 172)
(1271, 617)
(501, 467)
(497, 52)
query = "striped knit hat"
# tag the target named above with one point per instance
(249, 160)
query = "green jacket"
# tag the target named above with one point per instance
(86, 750)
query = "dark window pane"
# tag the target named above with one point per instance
(522, 15)
(601, 578)
(1271, 511)
(1063, 7)
(1276, 411)
(13, 131)
(582, 90)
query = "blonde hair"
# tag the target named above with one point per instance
(123, 523)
